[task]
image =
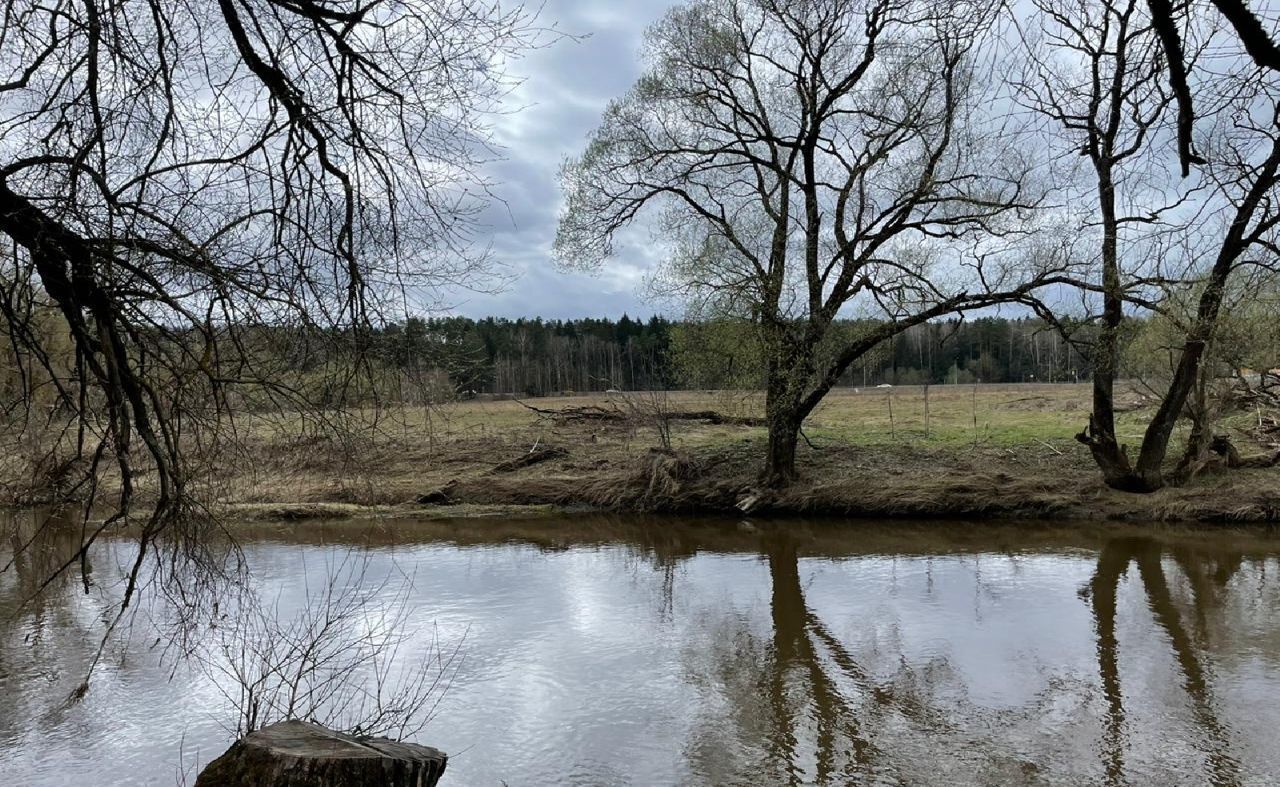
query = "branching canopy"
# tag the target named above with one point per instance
(175, 176)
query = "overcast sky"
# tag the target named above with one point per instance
(566, 87)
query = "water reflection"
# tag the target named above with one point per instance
(605, 651)
(1207, 577)
(39, 544)
(799, 679)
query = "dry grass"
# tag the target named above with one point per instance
(993, 450)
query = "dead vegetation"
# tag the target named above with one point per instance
(536, 455)
(991, 451)
(633, 413)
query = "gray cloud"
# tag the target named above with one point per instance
(566, 87)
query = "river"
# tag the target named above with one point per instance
(611, 651)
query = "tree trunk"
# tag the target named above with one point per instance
(1155, 443)
(790, 368)
(1112, 459)
(780, 465)
(1100, 435)
(1195, 454)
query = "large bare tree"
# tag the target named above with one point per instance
(178, 178)
(1093, 72)
(807, 159)
(1246, 173)
(1098, 73)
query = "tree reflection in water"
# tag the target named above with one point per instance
(37, 616)
(39, 544)
(804, 710)
(802, 654)
(1206, 583)
(795, 667)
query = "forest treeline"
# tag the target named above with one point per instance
(536, 357)
(436, 359)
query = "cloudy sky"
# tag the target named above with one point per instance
(566, 87)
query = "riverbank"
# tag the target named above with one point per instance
(999, 451)
(1004, 483)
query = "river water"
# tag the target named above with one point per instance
(601, 651)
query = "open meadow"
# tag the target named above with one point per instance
(951, 451)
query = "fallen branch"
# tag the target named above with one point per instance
(438, 497)
(535, 456)
(719, 419)
(1050, 446)
(1128, 407)
(597, 413)
(586, 413)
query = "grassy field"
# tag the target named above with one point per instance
(965, 451)
(998, 450)
(938, 415)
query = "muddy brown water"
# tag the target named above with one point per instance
(611, 651)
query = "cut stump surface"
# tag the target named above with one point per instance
(301, 754)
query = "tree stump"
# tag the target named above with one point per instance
(300, 754)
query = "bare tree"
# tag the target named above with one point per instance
(349, 657)
(1099, 76)
(1245, 169)
(1247, 176)
(201, 191)
(807, 159)
(1093, 71)
(1257, 41)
